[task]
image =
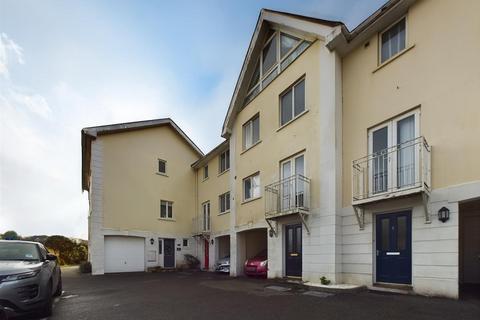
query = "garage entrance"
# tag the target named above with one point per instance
(222, 247)
(124, 254)
(469, 250)
(250, 243)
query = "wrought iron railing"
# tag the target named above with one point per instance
(287, 196)
(403, 168)
(200, 226)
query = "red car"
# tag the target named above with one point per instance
(258, 265)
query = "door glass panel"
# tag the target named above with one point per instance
(385, 234)
(401, 233)
(380, 160)
(298, 240)
(406, 152)
(290, 240)
(286, 185)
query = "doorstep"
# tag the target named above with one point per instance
(335, 288)
(392, 288)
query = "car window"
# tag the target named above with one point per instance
(43, 251)
(19, 251)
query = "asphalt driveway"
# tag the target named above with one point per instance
(198, 295)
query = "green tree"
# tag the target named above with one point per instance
(11, 235)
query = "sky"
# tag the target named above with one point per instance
(66, 65)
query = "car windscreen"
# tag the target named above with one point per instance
(18, 251)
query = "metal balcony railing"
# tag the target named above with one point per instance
(396, 171)
(287, 196)
(200, 226)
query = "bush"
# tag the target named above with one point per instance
(325, 281)
(85, 267)
(192, 261)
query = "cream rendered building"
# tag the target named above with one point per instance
(350, 155)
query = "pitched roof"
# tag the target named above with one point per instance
(91, 133)
(214, 152)
(313, 27)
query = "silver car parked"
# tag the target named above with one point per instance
(223, 265)
(29, 278)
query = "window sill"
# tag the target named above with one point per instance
(253, 145)
(223, 213)
(167, 219)
(251, 199)
(205, 179)
(223, 172)
(292, 120)
(395, 57)
(161, 174)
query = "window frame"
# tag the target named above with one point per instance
(205, 173)
(250, 121)
(226, 159)
(380, 44)
(158, 167)
(263, 75)
(286, 91)
(391, 125)
(252, 197)
(224, 202)
(168, 212)
(206, 216)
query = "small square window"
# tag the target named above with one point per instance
(205, 172)
(251, 187)
(185, 242)
(162, 166)
(224, 202)
(251, 132)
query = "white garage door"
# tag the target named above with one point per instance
(124, 254)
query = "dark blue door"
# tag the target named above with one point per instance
(394, 247)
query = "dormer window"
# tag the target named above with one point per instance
(279, 51)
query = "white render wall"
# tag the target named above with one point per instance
(435, 246)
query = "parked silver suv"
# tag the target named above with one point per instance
(29, 278)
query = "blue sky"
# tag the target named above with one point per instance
(65, 65)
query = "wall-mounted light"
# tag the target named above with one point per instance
(211, 241)
(444, 214)
(152, 241)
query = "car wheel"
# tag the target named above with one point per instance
(47, 308)
(58, 292)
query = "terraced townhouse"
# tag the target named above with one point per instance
(351, 155)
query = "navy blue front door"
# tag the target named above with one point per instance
(394, 247)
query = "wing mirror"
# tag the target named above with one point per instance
(51, 257)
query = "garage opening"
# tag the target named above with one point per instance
(469, 257)
(222, 254)
(124, 254)
(252, 252)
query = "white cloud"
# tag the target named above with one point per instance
(9, 50)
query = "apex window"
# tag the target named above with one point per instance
(292, 102)
(251, 132)
(393, 40)
(224, 200)
(166, 209)
(251, 187)
(224, 161)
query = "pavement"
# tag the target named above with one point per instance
(202, 295)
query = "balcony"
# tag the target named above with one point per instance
(286, 197)
(201, 227)
(400, 170)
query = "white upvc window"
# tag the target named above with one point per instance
(206, 216)
(251, 132)
(251, 187)
(166, 209)
(224, 202)
(162, 166)
(395, 162)
(224, 163)
(292, 102)
(393, 40)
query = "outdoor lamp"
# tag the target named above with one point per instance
(152, 241)
(443, 214)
